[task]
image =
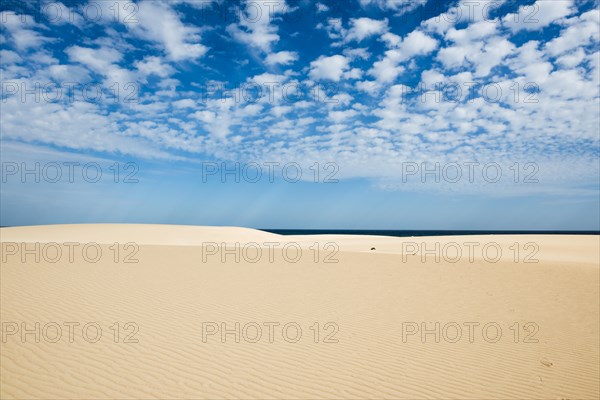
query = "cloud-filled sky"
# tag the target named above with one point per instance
(372, 114)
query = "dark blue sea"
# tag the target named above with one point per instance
(409, 233)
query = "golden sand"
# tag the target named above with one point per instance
(146, 311)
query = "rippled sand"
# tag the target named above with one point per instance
(326, 317)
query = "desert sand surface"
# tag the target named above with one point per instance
(182, 312)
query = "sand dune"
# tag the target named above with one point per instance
(143, 234)
(169, 292)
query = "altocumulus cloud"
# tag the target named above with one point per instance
(397, 81)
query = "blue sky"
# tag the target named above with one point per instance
(363, 114)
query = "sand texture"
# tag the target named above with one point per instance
(163, 295)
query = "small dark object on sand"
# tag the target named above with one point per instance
(372, 248)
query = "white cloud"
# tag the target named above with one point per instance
(417, 43)
(572, 59)
(267, 78)
(256, 28)
(581, 31)
(362, 28)
(9, 57)
(97, 59)
(152, 65)
(68, 73)
(400, 6)
(391, 39)
(362, 53)
(102, 61)
(329, 68)
(184, 103)
(414, 44)
(530, 63)
(78, 125)
(371, 87)
(463, 12)
(59, 14)
(321, 7)
(342, 116)
(282, 57)
(473, 32)
(217, 119)
(279, 111)
(476, 46)
(387, 69)
(22, 30)
(354, 73)
(538, 15)
(160, 24)
(335, 30)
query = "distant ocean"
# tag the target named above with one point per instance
(409, 233)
